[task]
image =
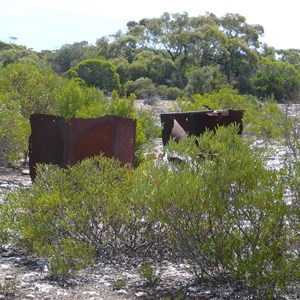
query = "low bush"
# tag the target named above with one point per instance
(225, 213)
(218, 205)
(72, 215)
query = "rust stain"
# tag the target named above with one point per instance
(176, 125)
(55, 141)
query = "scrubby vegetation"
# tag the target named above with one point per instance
(224, 211)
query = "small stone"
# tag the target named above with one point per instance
(24, 285)
(140, 294)
(105, 270)
(92, 293)
(25, 172)
(4, 266)
(107, 284)
(29, 296)
(122, 292)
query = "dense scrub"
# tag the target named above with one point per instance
(223, 210)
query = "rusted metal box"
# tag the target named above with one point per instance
(55, 141)
(176, 125)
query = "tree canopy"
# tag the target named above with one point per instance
(168, 50)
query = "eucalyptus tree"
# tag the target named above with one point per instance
(277, 79)
(103, 45)
(119, 45)
(207, 44)
(242, 44)
(70, 55)
(12, 53)
(290, 55)
(153, 65)
(97, 73)
(122, 68)
(205, 80)
(200, 41)
(166, 34)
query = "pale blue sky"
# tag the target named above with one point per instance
(49, 24)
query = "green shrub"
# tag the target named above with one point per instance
(225, 212)
(148, 273)
(262, 120)
(292, 177)
(142, 87)
(97, 73)
(66, 257)
(14, 131)
(71, 214)
(170, 93)
(120, 106)
(25, 88)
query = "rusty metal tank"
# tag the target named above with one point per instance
(176, 125)
(56, 141)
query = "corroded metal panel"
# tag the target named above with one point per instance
(113, 136)
(55, 141)
(47, 142)
(179, 124)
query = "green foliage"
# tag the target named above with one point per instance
(25, 88)
(225, 98)
(143, 88)
(203, 80)
(66, 257)
(261, 119)
(266, 120)
(147, 130)
(225, 213)
(164, 48)
(121, 106)
(148, 273)
(170, 93)
(137, 70)
(98, 73)
(292, 177)
(14, 131)
(71, 215)
(278, 79)
(76, 100)
(30, 87)
(69, 56)
(122, 66)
